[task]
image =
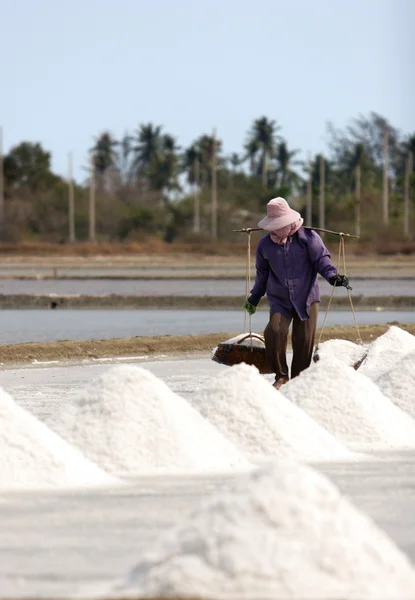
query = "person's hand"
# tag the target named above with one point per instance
(250, 308)
(341, 280)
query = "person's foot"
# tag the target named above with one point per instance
(279, 382)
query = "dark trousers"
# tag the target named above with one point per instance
(276, 336)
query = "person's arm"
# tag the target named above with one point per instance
(261, 279)
(320, 257)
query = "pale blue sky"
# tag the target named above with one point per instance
(72, 68)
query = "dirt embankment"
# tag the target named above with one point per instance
(155, 246)
(147, 346)
(114, 301)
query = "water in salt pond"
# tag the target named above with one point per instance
(186, 287)
(53, 325)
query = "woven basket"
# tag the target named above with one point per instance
(237, 352)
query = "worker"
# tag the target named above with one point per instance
(288, 260)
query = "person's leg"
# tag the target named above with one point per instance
(276, 335)
(303, 340)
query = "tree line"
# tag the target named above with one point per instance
(145, 184)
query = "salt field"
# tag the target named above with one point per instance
(54, 325)
(207, 300)
(124, 480)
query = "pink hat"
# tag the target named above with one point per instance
(279, 215)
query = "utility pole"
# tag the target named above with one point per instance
(357, 205)
(92, 200)
(214, 190)
(309, 205)
(385, 203)
(196, 215)
(71, 200)
(264, 171)
(1, 183)
(322, 191)
(407, 192)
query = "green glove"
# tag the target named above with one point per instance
(249, 307)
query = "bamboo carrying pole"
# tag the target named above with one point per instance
(408, 173)
(214, 190)
(249, 229)
(71, 200)
(92, 201)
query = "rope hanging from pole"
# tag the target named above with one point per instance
(342, 254)
(248, 284)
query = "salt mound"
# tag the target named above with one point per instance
(248, 341)
(130, 421)
(398, 384)
(386, 350)
(343, 350)
(351, 407)
(261, 421)
(31, 455)
(287, 534)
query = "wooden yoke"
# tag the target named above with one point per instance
(249, 229)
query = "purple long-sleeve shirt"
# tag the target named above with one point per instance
(287, 273)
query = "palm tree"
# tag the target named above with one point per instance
(356, 155)
(286, 175)
(235, 161)
(264, 134)
(147, 148)
(406, 147)
(124, 156)
(163, 168)
(410, 144)
(104, 152)
(208, 147)
(168, 164)
(315, 172)
(191, 162)
(252, 149)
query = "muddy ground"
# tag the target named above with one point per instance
(170, 259)
(147, 346)
(113, 301)
(151, 246)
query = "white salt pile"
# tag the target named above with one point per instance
(343, 350)
(398, 384)
(254, 341)
(351, 407)
(247, 340)
(31, 455)
(130, 421)
(386, 350)
(260, 421)
(288, 533)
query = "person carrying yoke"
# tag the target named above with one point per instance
(288, 261)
